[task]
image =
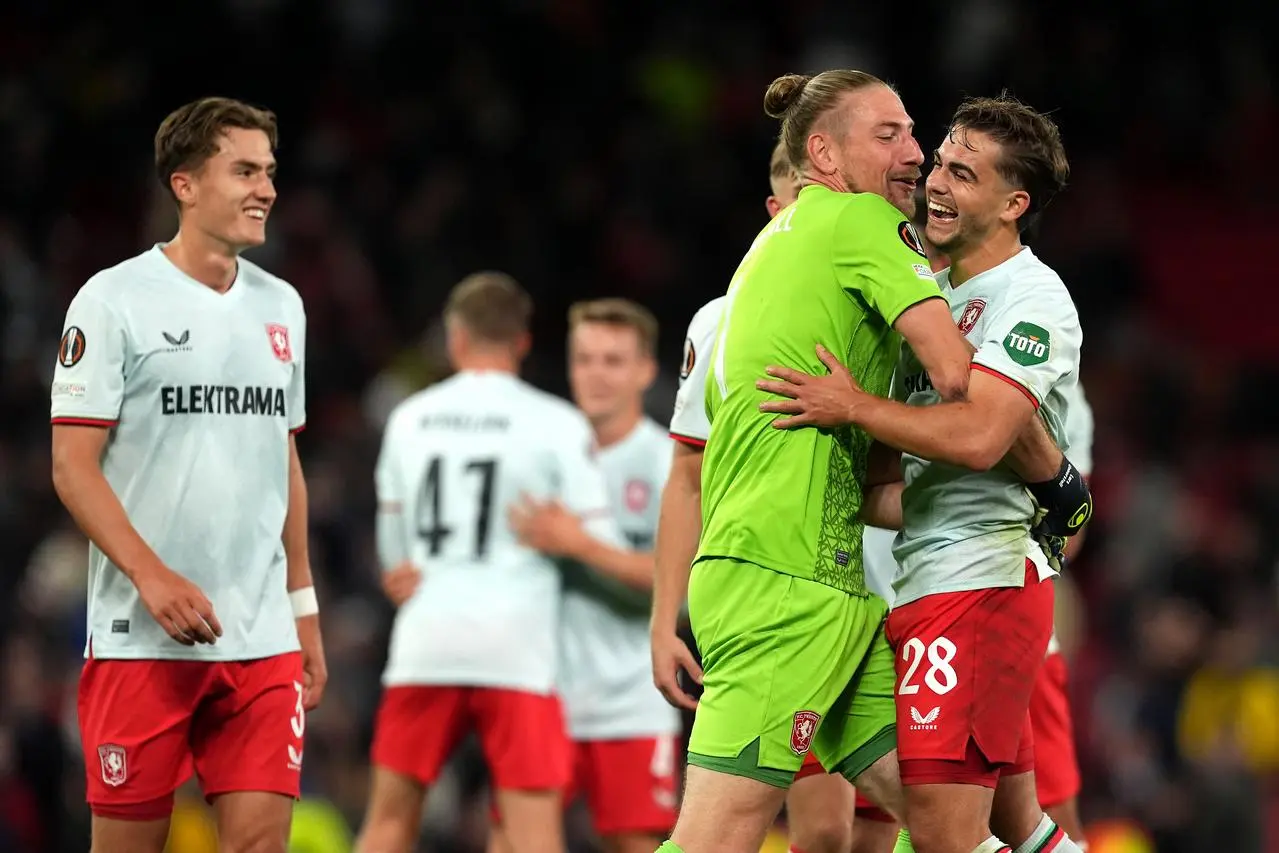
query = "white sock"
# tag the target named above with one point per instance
(992, 845)
(1048, 838)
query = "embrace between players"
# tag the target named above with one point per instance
(188, 361)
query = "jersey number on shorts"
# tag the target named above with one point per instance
(940, 675)
(431, 497)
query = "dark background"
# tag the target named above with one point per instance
(593, 149)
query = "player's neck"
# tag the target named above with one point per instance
(487, 361)
(987, 255)
(614, 428)
(210, 262)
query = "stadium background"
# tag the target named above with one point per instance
(594, 149)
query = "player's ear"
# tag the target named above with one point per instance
(522, 345)
(772, 205)
(821, 153)
(1016, 206)
(183, 186)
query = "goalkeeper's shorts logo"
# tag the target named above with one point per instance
(802, 730)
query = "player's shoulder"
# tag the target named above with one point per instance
(1033, 282)
(554, 411)
(869, 218)
(256, 278)
(114, 284)
(707, 317)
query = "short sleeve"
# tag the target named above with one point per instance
(392, 501)
(1033, 342)
(877, 254)
(297, 383)
(689, 422)
(88, 380)
(581, 481)
(1079, 430)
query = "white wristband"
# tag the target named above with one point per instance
(304, 602)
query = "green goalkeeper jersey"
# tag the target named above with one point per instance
(836, 269)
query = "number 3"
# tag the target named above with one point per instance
(940, 676)
(298, 720)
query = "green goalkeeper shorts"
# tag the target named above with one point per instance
(789, 664)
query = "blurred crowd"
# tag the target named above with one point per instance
(592, 149)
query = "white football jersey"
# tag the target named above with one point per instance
(878, 562)
(963, 529)
(455, 457)
(200, 391)
(1079, 431)
(689, 422)
(606, 676)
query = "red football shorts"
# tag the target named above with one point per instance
(630, 785)
(145, 725)
(522, 734)
(1056, 767)
(810, 767)
(866, 810)
(966, 666)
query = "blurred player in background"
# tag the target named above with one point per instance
(973, 609)
(178, 389)
(848, 257)
(1056, 762)
(625, 736)
(475, 642)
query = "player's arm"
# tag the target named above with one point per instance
(679, 527)
(86, 399)
(878, 256)
(295, 537)
(399, 578)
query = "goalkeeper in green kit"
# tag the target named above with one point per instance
(793, 648)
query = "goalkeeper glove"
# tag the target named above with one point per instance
(1063, 504)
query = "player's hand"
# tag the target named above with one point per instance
(546, 526)
(821, 401)
(401, 582)
(670, 655)
(315, 673)
(179, 606)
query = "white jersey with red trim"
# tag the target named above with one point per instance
(455, 458)
(606, 677)
(689, 422)
(1079, 432)
(965, 529)
(200, 391)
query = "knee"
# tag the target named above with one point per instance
(272, 841)
(385, 835)
(826, 834)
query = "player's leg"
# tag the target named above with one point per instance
(1056, 764)
(530, 757)
(416, 729)
(497, 840)
(966, 666)
(631, 789)
(861, 748)
(1016, 815)
(874, 830)
(134, 717)
(819, 811)
(247, 742)
(776, 651)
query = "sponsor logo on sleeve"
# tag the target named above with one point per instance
(69, 389)
(907, 232)
(71, 350)
(690, 359)
(1028, 344)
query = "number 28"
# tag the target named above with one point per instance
(940, 675)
